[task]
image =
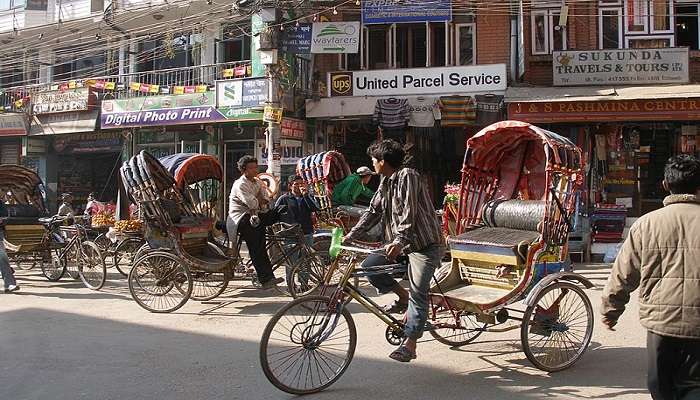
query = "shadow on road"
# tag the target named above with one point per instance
(56, 355)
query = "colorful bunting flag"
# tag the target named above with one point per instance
(165, 90)
(179, 90)
(135, 86)
(110, 85)
(201, 89)
(189, 89)
(155, 89)
(228, 73)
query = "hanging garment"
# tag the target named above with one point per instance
(489, 109)
(424, 111)
(457, 111)
(391, 113)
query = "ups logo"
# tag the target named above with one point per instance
(341, 84)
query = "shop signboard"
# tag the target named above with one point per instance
(419, 81)
(293, 128)
(242, 92)
(296, 39)
(335, 37)
(620, 67)
(398, 11)
(160, 110)
(102, 142)
(60, 101)
(606, 111)
(273, 114)
(63, 123)
(290, 152)
(13, 125)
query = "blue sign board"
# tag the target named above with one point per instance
(397, 11)
(297, 39)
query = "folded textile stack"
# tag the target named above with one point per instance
(608, 221)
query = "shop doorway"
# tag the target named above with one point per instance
(233, 151)
(81, 174)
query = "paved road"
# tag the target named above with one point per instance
(61, 341)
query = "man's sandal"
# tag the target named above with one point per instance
(402, 354)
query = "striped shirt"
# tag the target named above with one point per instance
(403, 205)
(391, 113)
(457, 111)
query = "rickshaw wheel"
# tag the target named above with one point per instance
(72, 259)
(103, 242)
(458, 329)
(209, 285)
(125, 254)
(307, 345)
(91, 267)
(152, 279)
(306, 275)
(557, 328)
(54, 266)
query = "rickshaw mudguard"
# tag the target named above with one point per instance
(551, 278)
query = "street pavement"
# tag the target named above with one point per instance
(62, 341)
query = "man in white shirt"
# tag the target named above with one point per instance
(248, 205)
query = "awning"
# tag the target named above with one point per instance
(13, 125)
(604, 103)
(62, 123)
(340, 107)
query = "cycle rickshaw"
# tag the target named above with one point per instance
(508, 269)
(32, 237)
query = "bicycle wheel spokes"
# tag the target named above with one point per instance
(124, 254)
(558, 327)
(306, 276)
(72, 258)
(53, 266)
(307, 346)
(91, 267)
(152, 279)
(208, 285)
(456, 328)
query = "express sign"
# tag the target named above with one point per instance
(469, 79)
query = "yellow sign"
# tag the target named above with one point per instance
(273, 114)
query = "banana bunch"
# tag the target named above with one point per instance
(131, 225)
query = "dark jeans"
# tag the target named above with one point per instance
(673, 371)
(255, 240)
(7, 275)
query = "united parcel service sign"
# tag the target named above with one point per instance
(419, 81)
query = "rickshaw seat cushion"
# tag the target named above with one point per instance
(23, 221)
(501, 241)
(23, 211)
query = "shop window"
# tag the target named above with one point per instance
(610, 22)
(437, 40)
(79, 62)
(687, 26)
(377, 46)
(168, 52)
(411, 46)
(465, 39)
(11, 4)
(647, 23)
(234, 45)
(547, 34)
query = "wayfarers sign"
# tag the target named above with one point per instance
(335, 37)
(400, 82)
(620, 67)
(397, 11)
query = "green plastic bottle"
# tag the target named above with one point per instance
(336, 241)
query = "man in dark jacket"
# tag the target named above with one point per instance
(661, 256)
(7, 274)
(300, 207)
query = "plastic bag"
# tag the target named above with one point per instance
(611, 253)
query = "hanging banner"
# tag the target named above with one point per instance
(293, 129)
(273, 114)
(397, 11)
(61, 101)
(620, 67)
(335, 37)
(160, 110)
(297, 39)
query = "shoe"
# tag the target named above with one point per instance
(272, 283)
(11, 288)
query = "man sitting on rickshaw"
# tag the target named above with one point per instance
(403, 206)
(249, 215)
(353, 187)
(300, 207)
